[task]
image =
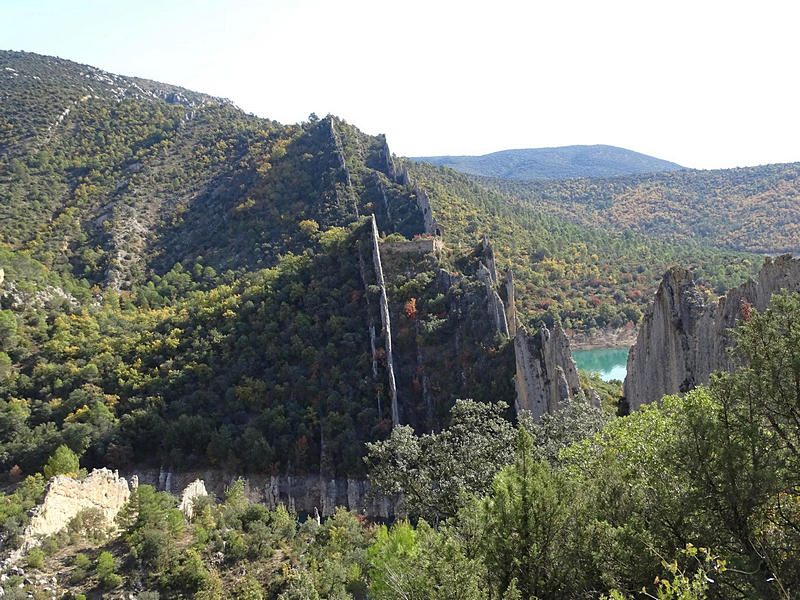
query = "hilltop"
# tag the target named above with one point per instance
(554, 163)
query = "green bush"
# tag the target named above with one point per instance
(105, 571)
(35, 559)
(50, 546)
(63, 462)
(81, 561)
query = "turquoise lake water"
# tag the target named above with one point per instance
(609, 362)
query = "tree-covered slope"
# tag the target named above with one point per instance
(114, 179)
(588, 276)
(754, 209)
(189, 285)
(554, 163)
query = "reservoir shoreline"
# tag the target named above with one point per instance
(611, 363)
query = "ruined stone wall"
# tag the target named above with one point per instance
(420, 246)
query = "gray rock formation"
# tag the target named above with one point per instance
(510, 303)
(487, 273)
(385, 321)
(494, 305)
(546, 373)
(432, 226)
(487, 258)
(683, 337)
(301, 493)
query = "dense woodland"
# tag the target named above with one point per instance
(693, 498)
(753, 209)
(587, 277)
(185, 285)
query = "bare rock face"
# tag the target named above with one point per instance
(194, 490)
(546, 373)
(683, 337)
(385, 322)
(65, 497)
(302, 493)
(494, 305)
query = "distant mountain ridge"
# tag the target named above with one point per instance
(555, 163)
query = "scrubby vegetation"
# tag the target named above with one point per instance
(693, 498)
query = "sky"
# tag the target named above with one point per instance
(706, 84)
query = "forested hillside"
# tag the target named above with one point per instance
(586, 275)
(554, 163)
(184, 286)
(692, 499)
(752, 209)
(180, 271)
(175, 269)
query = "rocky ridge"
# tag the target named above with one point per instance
(684, 336)
(545, 373)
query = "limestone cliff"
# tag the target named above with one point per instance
(106, 491)
(546, 373)
(302, 493)
(683, 337)
(196, 489)
(66, 496)
(385, 321)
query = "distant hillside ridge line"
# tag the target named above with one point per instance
(560, 162)
(752, 209)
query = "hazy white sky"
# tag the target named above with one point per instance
(703, 83)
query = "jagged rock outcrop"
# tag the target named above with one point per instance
(387, 164)
(385, 321)
(344, 171)
(683, 337)
(494, 305)
(546, 373)
(487, 273)
(66, 496)
(510, 303)
(196, 489)
(432, 226)
(487, 258)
